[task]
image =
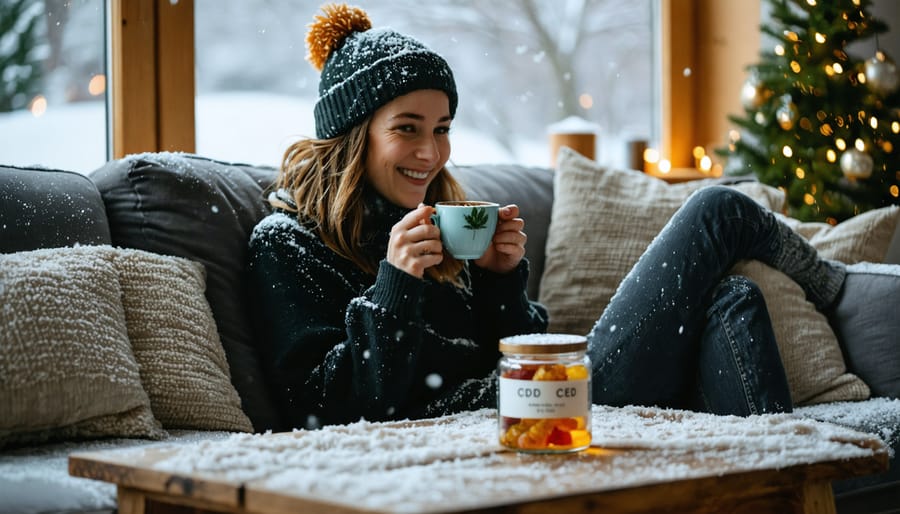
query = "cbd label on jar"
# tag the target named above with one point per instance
(544, 399)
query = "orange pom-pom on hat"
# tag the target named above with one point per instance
(327, 32)
(364, 68)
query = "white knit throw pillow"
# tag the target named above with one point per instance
(176, 343)
(66, 367)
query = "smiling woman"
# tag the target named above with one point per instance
(358, 303)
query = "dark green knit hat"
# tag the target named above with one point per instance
(364, 68)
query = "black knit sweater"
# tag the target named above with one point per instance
(339, 344)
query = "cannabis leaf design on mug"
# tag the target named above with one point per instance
(477, 219)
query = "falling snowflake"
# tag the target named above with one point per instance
(434, 380)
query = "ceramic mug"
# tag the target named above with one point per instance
(467, 227)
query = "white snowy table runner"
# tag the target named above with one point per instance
(455, 462)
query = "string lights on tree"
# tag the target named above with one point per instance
(819, 123)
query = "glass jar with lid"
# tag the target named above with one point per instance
(544, 393)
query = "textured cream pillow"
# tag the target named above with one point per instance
(66, 368)
(586, 261)
(176, 343)
(602, 221)
(812, 358)
(862, 238)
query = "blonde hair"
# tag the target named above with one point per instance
(325, 178)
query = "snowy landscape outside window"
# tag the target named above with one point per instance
(520, 66)
(53, 97)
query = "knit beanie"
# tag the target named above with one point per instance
(364, 68)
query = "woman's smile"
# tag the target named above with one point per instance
(417, 176)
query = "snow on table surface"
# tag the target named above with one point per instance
(35, 479)
(411, 467)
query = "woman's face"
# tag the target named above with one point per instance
(408, 144)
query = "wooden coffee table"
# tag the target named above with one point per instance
(648, 460)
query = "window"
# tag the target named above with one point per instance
(664, 72)
(520, 65)
(53, 94)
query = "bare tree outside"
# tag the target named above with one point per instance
(520, 65)
(524, 64)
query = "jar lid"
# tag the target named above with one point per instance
(543, 343)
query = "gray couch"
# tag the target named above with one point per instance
(202, 209)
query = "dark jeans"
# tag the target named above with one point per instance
(739, 368)
(679, 333)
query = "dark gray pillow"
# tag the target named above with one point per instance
(204, 210)
(529, 187)
(866, 321)
(45, 208)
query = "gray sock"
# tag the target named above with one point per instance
(821, 279)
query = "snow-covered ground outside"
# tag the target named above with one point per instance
(247, 127)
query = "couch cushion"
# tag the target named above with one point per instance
(36, 480)
(66, 366)
(631, 208)
(203, 210)
(531, 188)
(868, 328)
(176, 343)
(44, 208)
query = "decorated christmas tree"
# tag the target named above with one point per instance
(819, 123)
(20, 52)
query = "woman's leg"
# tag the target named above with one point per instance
(645, 345)
(739, 370)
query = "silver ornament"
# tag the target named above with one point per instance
(856, 164)
(881, 74)
(753, 93)
(787, 113)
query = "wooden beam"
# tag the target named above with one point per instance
(175, 75)
(133, 84)
(152, 83)
(727, 39)
(704, 47)
(677, 105)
